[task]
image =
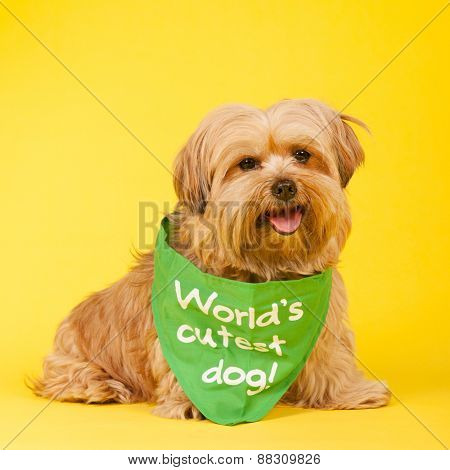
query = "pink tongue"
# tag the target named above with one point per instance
(287, 222)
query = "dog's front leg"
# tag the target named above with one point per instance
(330, 378)
(171, 401)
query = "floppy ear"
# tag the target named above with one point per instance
(190, 176)
(349, 150)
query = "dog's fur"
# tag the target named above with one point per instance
(108, 349)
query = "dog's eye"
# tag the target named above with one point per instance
(301, 155)
(248, 163)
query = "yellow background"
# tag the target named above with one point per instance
(71, 179)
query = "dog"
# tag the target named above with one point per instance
(261, 197)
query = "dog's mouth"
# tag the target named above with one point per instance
(285, 221)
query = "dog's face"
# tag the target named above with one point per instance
(268, 186)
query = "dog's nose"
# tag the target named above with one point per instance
(284, 190)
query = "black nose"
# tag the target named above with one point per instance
(284, 190)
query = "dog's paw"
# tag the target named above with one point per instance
(365, 394)
(177, 410)
(356, 396)
(376, 395)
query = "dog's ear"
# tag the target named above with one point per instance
(190, 176)
(350, 154)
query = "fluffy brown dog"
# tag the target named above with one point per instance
(261, 197)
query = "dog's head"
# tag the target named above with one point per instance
(264, 189)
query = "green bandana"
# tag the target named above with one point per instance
(235, 347)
